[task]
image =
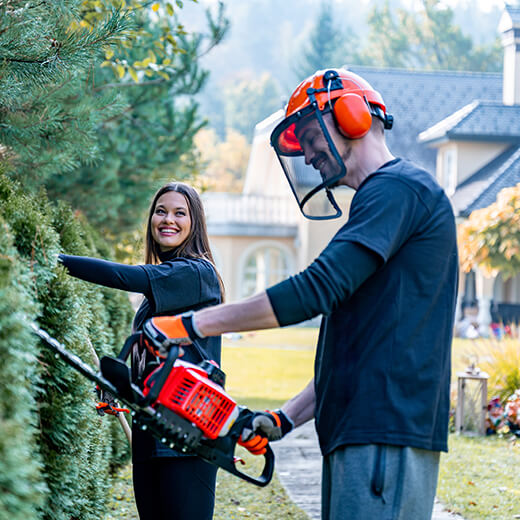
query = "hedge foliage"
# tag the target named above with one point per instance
(56, 454)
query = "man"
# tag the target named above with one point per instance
(386, 287)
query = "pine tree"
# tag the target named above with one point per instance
(327, 45)
(151, 141)
(47, 124)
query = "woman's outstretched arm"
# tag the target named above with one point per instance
(132, 278)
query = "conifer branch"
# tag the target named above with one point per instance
(152, 82)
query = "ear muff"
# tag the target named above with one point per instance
(352, 115)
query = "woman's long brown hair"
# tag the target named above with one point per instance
(196, 244)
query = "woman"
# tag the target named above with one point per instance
(179, 275)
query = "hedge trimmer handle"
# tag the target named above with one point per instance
(267, 471)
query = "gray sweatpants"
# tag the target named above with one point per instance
(379, 482)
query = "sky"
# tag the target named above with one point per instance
(484, 5)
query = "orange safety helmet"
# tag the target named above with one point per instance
(352, 102)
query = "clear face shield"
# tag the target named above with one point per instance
(310, 161)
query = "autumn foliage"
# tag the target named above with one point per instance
(490, 237)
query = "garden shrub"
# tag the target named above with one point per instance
(72, 450)
(21, 479)
(501, 361)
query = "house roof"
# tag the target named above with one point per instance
(477, 121)
(481, 189)
(420, 99)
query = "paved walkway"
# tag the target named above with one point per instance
(298, 466)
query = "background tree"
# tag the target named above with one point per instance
(249, 100)
(151, 140)
(388, 41)
(225, 162)
(328, 44)
(490, 237)
(427, 39)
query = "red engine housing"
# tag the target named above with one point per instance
(190, 394)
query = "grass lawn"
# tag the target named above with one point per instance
(479, 477)
(265, 369)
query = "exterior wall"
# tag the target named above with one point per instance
(231, 253)
(469, 158)
(472, 156)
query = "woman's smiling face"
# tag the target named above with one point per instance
(171, 220)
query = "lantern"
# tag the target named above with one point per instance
(470, 415)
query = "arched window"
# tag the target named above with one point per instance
(263, 267)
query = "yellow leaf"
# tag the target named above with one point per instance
(167, 61)
(152, 56)
(156, 6)
(120, 70)
(163, 74)
(106, 64)
(109, 54)
(169, 9)
(148, 73)
(133, 74)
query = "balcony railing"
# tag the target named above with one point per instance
(234, 208)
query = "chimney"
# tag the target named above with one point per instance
(509, 27)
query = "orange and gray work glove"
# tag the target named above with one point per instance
(161, 332)
(263, 427)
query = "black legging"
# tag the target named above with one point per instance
(181, 488)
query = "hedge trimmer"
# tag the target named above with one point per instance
(182, 404)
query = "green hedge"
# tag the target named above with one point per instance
(56, 454)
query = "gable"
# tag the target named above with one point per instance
(481, 189)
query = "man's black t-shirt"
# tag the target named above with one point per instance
(382, 368)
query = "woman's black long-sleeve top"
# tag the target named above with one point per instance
(172, 287)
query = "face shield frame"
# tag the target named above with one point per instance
(287, 145)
